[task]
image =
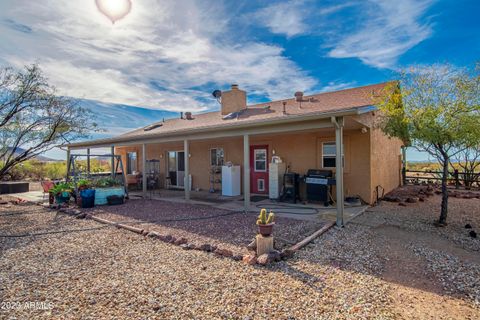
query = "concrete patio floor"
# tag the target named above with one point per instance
(301, 211)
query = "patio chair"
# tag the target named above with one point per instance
(46, 186)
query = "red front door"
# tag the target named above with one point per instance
(259, 169)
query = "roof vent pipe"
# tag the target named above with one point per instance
(181, 115)
(299, 96)
(284, 107)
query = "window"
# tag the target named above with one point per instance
(131, 162)
(260, 160)
(216, 157)
(329, 155)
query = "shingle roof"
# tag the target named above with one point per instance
(322, 102)
(326, 102)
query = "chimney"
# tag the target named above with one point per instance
(188, 116)
(233, 100)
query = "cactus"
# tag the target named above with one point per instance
(271, 217)
(262, 218)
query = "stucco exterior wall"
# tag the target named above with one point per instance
(386, 162)
(301, 151)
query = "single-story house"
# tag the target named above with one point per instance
(306, 132)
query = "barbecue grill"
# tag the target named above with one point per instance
(318, 185)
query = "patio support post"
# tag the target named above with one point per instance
(186, 182)
(246, 171)
(338, 123)
(112, 161)
(68, 163)
(88, 161)
(144, 167)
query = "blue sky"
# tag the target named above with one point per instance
(170, 55)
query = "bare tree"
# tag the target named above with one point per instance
(34, 119)
(468, 160)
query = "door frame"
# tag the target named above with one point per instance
(252, 168)
(176, 165)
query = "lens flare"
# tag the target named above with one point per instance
(114, 9)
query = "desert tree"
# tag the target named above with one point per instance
(34, 119)
(435, 109)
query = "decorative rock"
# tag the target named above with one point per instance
(287, 253)
(472, 234)
(468, 226)
(206, 247)
(187, 246)
(81, 216)
(412, 200)
(402, 204)
(237, 257)
(153, 234)
(266, 258)
(276, 255)
(249, 259)
(180, 241)
(167, 238)
(223, 252)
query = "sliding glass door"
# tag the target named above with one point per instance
(176, 167)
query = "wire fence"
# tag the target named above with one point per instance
(456, 177)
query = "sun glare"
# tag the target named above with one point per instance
(114, 9)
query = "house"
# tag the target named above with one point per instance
(305, 132)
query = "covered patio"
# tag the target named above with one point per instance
(286, 137)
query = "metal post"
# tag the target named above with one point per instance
(88, 162)
(113, 161)
(246, 172)
(186, 183)
(338, 123)
(144, 170)
(404, 165)
(68, 164)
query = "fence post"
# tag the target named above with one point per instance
(457, 182)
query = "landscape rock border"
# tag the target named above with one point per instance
(249, 258)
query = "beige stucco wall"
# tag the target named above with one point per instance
(302, 151)
(385, 162)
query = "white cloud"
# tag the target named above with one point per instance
(390, 29)
(157, 57)
(284, 18)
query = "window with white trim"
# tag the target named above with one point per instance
(329, 155)
(216, 157)
(260, 164)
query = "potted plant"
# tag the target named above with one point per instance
(265, 224)
(82, 184)
(62, 192)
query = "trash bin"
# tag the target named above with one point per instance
(88, 198)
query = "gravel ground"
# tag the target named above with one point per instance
(230, 230)
(110, 273)
(375, 268)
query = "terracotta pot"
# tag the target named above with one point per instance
(266, 229)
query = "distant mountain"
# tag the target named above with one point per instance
(18, 151)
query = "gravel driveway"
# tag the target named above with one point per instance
(362, 271)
